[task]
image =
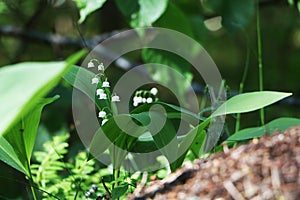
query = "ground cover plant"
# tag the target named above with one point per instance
(45, 146)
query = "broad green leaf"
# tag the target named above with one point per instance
(242, 103)
(112, 135)
(198, 143)
(280, 124)
(86, 7)
(145, 143)
(193, 140)
(22, 135)
(172, 111)
(248, 102)
(171, 19)
(148, 13)
(190, 137)
(23, 84)
(165, 139)
(119, 191)
(80, 78)
(142, 13)
(128, 8)
(9, 156)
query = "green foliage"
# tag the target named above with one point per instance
(74, 179)
(50, 166)
(24, 85)
(280, 124)
(295, 3)
(37, 78)
(22, 110)
(49, 163)
(2, 7)
(250, 101)
(27, 83)
(142, 13)
(9, 156)
(22, 135)
(119, 191)
(173, 61)
(80, 78)
(86, 7)
(164, 139)
(111, 134)
(174, 16)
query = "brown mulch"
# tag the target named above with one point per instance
(266, 168)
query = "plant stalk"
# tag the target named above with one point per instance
(245, 74)
(31, 184)
(29, 176)
(260, 63)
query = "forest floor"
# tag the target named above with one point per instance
(266, 168)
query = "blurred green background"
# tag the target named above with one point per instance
(40, 30)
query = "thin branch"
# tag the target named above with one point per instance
(13, 31)
(121, 62)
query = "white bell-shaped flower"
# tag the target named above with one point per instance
(101, 67)
(115, 98)
(138, 99)
(95, 80)
(91, 64)
(154, 91)
(104, 121)
(149, 100)
(103, 96)
(101, 114)
(105, 84)
(99, 91)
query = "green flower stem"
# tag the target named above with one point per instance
(31, 183)
(29, 176)
(245, 74)
(260, 64)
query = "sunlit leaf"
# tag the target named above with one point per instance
(86, 7)
(250, 101)
(23, 84)
(242, 103)
(80, 78)
(142, 13)
(119, 191)
(280, 124)
(22, 135)
(9, 156)
(115, 132)
(194, 141)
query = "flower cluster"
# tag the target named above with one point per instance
(91, 191)
(145, 96)
(102, 92)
